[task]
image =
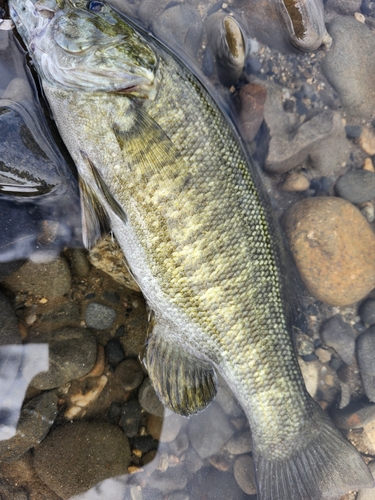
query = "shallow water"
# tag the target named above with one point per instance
(99, 379)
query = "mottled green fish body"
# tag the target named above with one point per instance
(160, 163)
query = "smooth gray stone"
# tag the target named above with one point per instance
(350, 66)
(36, 418)
(72, 354)
(174, 478)
(366, 351)
(149, 400)
(339, 335)
(99, 316)
(367, 311)
(356, 186)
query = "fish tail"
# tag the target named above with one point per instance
(326, 466)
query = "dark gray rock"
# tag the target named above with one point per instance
(368, 493)
(350, 67)
(36, 418)
(130, 418)
(366, 361)
(212, 484)
(72, 354)
(99, 316)
(339, 335)
(367, 311)
(180, 444)
(355, 415)
(320, 138)
(114, 352)
(174, 478)
(209, 430)
(49, 279)
(356, 186)
(193, 461)
(353, 131)
(344, 7)
(149, 400)
(80, 262)
(180, 25)
(9, 333)
(58, 316)
(9, 492)
(76, 456)
(130, 374)
(145, 443)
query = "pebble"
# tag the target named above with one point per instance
(193, 461)
(227, 401)
(339, 335)
(368, 165)
(114, 352)
(36, 418)
(144, 443)
(310, 373)
(149, 400)
(180, 444)
(130, 374)
(212, 484)
(99, 316)
(296, 182)
(49, 279)
(9, 333)
(332, 260)
(324, 355)
(74, 457)
(72, 354)
(355, 415)
(240, 443)
(130, 418)
(165, 429)
(209, 430)
(366, 361)
(80, 262)
(345, 7)
(53, 316)
(367, 141)
(244, 474)
(350, 67)
(170, 480)
(368, 493)
(367, 311)
(356, 186)
(353, 131)
(249, 102)
(8, 492)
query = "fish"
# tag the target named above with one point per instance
(163, 166)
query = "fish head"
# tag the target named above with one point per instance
(85, 45)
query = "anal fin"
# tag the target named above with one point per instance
(184, 383)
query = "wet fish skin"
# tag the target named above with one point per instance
(189, 212)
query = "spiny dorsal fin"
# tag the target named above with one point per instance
(95, 219)
(184, 383)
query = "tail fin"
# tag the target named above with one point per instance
(325, 467)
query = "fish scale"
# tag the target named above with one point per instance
(161, 163)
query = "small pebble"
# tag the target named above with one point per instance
(114, 352)
(149, 400)
(367, 141)
(170, 480)
(368, 493)
(339, 335)
(367, 311)
(356, 186)
(353, 131)
(244, 474)
(99, 316)
(324, 355)
(368, 165)
(360, 17)
(296, 182)
(130, 418)
(240, 443)
(366, 361)
(355, 415)
(368, 212)
(144, 443)
(130, 374)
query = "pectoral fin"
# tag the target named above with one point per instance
(95, 219)
(184, 383)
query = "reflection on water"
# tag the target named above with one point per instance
(94, 413)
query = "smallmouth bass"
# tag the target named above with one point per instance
(161, 164)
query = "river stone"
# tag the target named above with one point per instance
(48, 279)
(149, 400)
(9, 492)
(130, 374)
(130, 418)
(164, 429)
(72, 354)
(366, 361)
(345, 7)
(356, 186)
(9, 333)
(331, 244)
(99, 317)
(76, 456)
(368, 493)
(339, 335)
(240, 443)
(212, 484)
(36, 418)
(367, 311)
(350, 67)
(244, 473)
(209, 431)
(174, 478)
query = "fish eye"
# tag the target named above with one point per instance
(95, 6)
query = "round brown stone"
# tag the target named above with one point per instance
(332, 245)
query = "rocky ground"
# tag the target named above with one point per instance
(308, 119)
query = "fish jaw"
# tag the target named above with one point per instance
(75, 48)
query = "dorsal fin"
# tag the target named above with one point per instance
(184, 383)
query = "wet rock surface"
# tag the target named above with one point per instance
(340, 336)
